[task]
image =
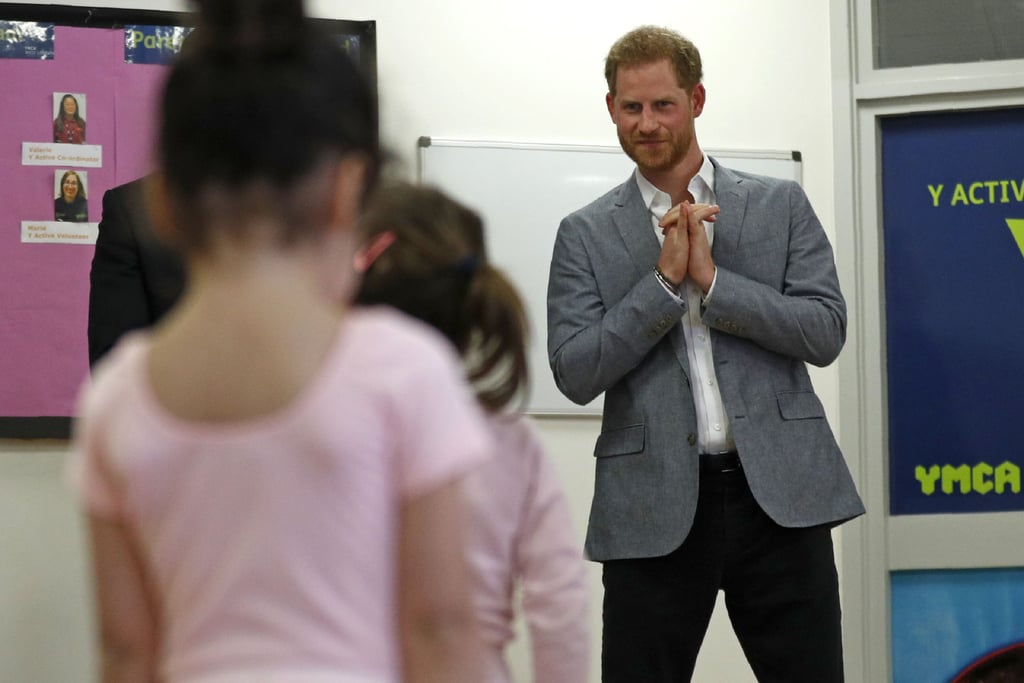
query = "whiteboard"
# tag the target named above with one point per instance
(523, 191)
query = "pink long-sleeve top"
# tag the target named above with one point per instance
(521, 542)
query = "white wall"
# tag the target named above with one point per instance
(525, 71)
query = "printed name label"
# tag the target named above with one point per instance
(61, 154)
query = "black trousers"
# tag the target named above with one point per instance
(781, 591)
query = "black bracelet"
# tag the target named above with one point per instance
(664, 280)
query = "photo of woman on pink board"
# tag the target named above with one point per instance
(70, 204)
(69, 124)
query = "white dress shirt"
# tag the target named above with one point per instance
(713, 433)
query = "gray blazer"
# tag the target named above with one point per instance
(613, 328)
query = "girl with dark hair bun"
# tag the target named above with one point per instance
(69, 126)
(425, 255)
(271, 479)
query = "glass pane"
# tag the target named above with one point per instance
(922, 32)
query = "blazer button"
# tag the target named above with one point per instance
(691, 439)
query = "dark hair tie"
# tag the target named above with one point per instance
(467, 265)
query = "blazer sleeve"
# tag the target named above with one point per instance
(803, 314)
(603, 316)
(117, 292)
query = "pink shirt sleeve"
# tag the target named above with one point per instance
(552, 575)
(442, 431)
(88, 472)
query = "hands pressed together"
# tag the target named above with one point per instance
(686, 251)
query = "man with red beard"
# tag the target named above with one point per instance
(693, 296)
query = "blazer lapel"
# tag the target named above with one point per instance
(731, 196)
(632, 218)
(633, 221)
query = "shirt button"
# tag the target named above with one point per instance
(711, 382)
(718, 427)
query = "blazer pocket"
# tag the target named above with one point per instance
(622, 441)
(800, 405)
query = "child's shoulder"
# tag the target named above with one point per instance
(518, 439)
(385, 340)
(384, 331)
(116, 373)
(514, 425)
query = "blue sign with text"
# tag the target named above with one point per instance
(161, 44)
(351, 45)
(153, 44)
(953, 233)
(26, 40)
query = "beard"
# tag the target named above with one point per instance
(663, 157)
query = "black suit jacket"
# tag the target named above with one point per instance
(134, 279)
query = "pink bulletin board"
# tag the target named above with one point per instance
(44, 291)
(45, 51)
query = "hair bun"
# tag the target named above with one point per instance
(250, 28)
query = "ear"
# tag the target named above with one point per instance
(347, 197)
(697, 99)
(610, 102)
(369, 252)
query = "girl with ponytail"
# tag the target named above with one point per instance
(425, 255)
(271, 480)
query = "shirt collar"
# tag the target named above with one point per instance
(706, 177)
(701, 187)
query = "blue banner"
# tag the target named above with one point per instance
(948, 625)
(953, 233)
(153, 44)
(351, 45)
(26, 40)
(161, 44)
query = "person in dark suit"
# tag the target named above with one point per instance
(693, 296)
(135, 278)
